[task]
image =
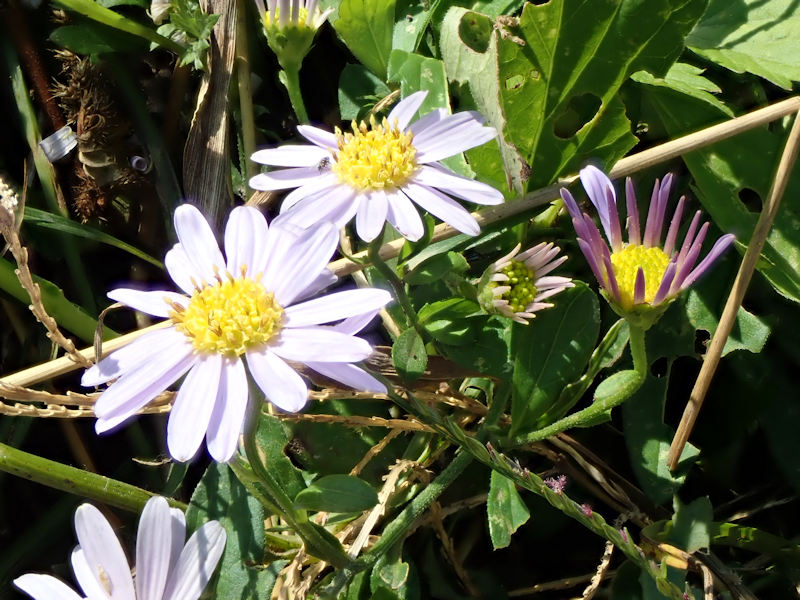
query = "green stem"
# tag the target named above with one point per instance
(103, 15)
(75, 481)
(245, 91)
(611, 393)
(325, 547)
(290, 78)
(374, 256)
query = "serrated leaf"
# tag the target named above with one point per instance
(749, 331)
(551, 352)
(746, 164)
(337, 493)
(751, 36)
(559, 92)
(648, 438)
(469, 51)
(366, 27)
(221, 497)
(686, 79)
(359, 89)
(408, 354)
(505, 509)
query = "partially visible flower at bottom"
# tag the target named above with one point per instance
(249, 307)
(166, 569)
(642, 277)
(516, 285)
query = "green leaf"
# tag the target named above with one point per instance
(559, 92)
(409, 355)
(337, 493)
(505, 509)
(272, 439)
(469, 51)
(489, 352)
(648, 438)
(741, 165)
(366, 27)
(686, 79)
(436, 267)
(749, 332)
(751, 36)
(691, 524)
(93, 38)
(47, 220)
(359, 90)
(392, 578)
(551, 352)
(412, 19)
(447, 320)
(221, 497)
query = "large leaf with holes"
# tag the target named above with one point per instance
(752, 36)
(730, 174)
(559, 91)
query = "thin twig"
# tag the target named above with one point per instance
(736, 296)
(374, 451)
(356, 421)
(602, 571)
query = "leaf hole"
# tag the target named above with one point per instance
(514, 82)
(575, 114)
(701, 338)
(751, 200)
(659, 367)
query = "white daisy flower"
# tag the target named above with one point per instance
(375, 172)
(242, 308)
(517, 285)
(165, 568)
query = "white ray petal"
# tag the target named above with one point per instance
(103, 551)
(336, 306)
(228, 416)
(153, 303)
(280, 383)
(291, 156)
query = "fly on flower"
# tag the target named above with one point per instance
(251, 307)
(166, 569)
(642, 276)
(377, 172)
(517, 285)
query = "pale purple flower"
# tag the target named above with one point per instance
(517, 285)
(294, 13)
(648, 271)
(250, 308)
(166, 569)
(377, 172)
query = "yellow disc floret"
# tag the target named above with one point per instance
(380, 156)
(229, 317)
(271, 20)
(521, 280)
(626, 264)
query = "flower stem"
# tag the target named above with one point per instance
(75, 481)
(242, 62)
(609, 394)
(374, 256)
(290, 78)
(317, 543)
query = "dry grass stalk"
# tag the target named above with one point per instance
(437, 520)
(602, 571)
(374, 451)
(735, 298)
(356, 421)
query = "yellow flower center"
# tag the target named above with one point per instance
(376, 157)
(521, 279)
(229, 317)
(626, 264)
(272, 19)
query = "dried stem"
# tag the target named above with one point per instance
(736, 296)
(602, 570)
(37, 307)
